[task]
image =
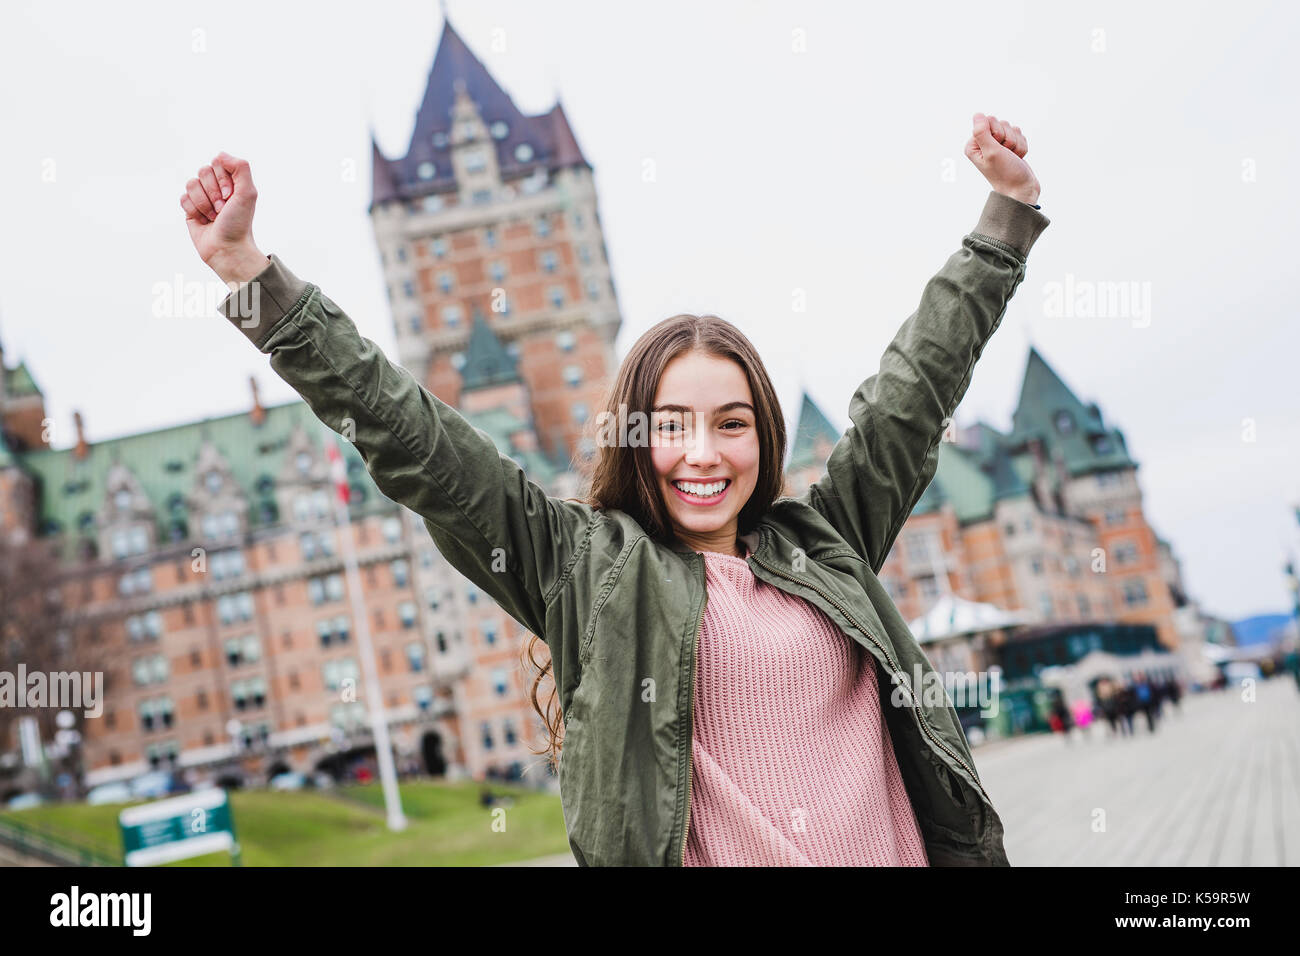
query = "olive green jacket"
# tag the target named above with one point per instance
(621, 613)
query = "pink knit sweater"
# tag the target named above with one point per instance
(792, 762)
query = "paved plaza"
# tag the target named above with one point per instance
(1216, 785)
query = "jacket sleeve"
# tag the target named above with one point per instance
(491, 522)
(882, 464)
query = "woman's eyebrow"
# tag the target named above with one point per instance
(717, 411)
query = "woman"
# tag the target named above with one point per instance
(744, 729)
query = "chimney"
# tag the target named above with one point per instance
(83, 447)
(258, 413)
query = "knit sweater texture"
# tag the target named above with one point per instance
(792, 763)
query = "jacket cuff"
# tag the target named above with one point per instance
(259, 305)
(1015, 223)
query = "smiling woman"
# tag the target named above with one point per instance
(718, 650)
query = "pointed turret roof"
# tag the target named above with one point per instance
(1050, 411)
(487, 362)
(548, 137)
(813, 428)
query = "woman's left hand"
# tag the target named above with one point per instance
(998, 149)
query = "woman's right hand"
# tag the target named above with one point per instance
(218, 206)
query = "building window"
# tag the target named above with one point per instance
(490, 237)
(1115, 516)
(499, 684)
(417, 323)
(1084, 609)
(415, 656)
(481, 196)
(1126, 553)
(444, 281)
(334, 673)
(1045, 605)
(489, 632)
(556, 296)
(508, 726)
(471, 594)
(392, 529)
(548, 260)
(584, 254)
(139, 581)
(1064, 423)
(573, 375)
(408, 288)
(929, 586)
(497, 269)
(1135, 592)
(523, 153)
(150, 670)
(406, 611)
(451, 315)
(1036, 564)
(328, 587)
(475, 161)
(432, 203)
(579, 412)
(423, 697)
(425, 170)
(401, 572)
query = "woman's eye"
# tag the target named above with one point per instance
(736, 421)
(665, 424)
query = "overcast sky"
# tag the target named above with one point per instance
(812, 146)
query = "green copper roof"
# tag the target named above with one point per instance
(813, 425)
(7, 457)
(487, 362)
(19, 381)
(164, 461)
(1049, 409)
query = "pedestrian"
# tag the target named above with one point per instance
(1142, 691)
(668, 756)
(1127, 707)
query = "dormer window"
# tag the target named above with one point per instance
(424, 170)
(440, 139)
(523, 152)
(303, 461)
(1064, 422)
(213, 481)
(122, 500)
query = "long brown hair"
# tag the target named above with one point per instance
(624, 477)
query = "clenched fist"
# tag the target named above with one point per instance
(218, 206)
(998, 149)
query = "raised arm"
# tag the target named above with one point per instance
(496, 526)
(887, 457)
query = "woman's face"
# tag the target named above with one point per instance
(703, 432)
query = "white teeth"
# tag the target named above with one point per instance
(700, 491)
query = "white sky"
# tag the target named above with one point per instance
(821, 170)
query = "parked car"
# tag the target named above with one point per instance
(25, 800)
(116, 792)
(288, 781)
(159, 783)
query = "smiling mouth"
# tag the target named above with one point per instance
(691, 490)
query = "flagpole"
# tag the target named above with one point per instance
(378, 722)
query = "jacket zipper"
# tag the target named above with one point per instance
(690, 744)
(920, 717)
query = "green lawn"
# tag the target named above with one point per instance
(446, 826)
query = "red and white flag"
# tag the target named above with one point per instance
(338, 471)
